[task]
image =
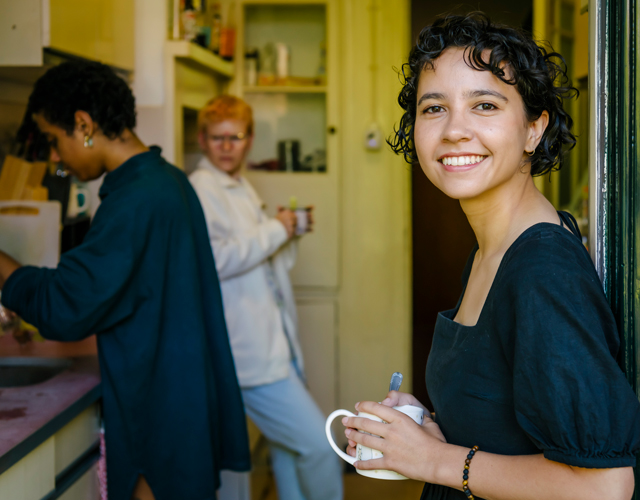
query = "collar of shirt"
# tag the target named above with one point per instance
(121, 175)
(228, 182)
(223, 178)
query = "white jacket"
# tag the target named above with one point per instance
(245, 242)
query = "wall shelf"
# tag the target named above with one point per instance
(285, 89)
(202, 59)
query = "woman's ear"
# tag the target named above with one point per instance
(85, 124)
(536, 130)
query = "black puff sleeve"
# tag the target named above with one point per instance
(571, 397)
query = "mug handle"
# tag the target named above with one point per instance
(327, 429)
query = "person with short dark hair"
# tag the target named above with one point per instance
(529, 400)
(145, 281)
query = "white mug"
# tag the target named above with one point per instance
(364, 452)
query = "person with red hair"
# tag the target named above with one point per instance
(253, 255)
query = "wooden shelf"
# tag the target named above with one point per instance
(202, 59)
(285, 89)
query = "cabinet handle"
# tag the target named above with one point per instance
(331, 130)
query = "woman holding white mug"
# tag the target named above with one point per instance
(529, 400)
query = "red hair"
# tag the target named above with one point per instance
(225, 107)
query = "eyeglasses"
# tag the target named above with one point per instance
(219, 140)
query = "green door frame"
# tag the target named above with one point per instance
(614, 173)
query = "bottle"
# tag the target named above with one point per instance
(216, 26)
(189, 21)
(251, 67)
(282, 63)
(228, 34)
(203, 27)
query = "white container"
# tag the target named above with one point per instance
(32, 235)
(282, 61)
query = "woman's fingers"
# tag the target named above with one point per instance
(363, 424)
(376, 463)
(379, 410)
(392, 399)
(395, 398)
(368, 440)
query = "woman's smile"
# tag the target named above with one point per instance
(461, 162)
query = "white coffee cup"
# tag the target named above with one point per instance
(364, 452)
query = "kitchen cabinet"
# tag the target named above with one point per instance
(101, 30)
(352, 276)
(62, 467)
(299, 109)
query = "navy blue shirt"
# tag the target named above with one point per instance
(144, 280)
(538, 372)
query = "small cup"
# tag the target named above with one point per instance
(79, 197)
(364, 452)
(302, 221)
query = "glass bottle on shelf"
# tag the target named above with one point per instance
(251, 67)
(228, 34)
(188, 16)
(216, 27)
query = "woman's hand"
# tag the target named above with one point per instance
(394, 398)
(288, 219)
(408, 448)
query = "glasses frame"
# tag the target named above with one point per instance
(233, 139)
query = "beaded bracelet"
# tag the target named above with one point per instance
(465, 473)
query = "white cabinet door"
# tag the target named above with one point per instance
(317, 327)
(21, 33)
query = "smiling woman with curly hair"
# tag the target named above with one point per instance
(529, 400)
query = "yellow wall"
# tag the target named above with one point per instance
(375, 297)
(544, 33)
(581, 61)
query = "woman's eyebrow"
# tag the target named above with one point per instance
(430, 95)
(485, 92)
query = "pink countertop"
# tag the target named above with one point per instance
(29, 415)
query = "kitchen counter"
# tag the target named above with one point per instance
(30, 415)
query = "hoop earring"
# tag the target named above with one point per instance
(531, 153)
(88, 141)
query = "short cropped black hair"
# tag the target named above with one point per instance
(539, 76)
(84, 86)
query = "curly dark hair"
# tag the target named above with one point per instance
(87, 86)
(539, 76)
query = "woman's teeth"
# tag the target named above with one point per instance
(459, 161)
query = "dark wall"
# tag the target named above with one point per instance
(512, 12)
(442, 237)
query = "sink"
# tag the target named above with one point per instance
(19, 372)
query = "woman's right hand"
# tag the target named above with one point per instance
(395, 398)
(288, 219)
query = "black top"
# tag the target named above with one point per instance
(538, 372)
(145, 281)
